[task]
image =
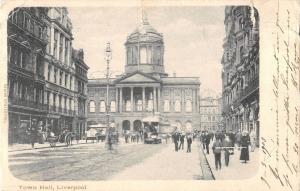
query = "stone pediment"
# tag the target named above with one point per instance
(138, 78)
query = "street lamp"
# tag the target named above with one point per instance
(108, 57)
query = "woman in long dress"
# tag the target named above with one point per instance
(245, 141)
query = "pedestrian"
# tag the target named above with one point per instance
(110, 141)
(232, 137)
(126, 137)
(207, 142)
(227, 146)
(203, 139)
(189, 143)
(33, 135)
(181, 145)
(238, 139)
(217, 147)
(175, 140)
(252, 140)
(245, 141)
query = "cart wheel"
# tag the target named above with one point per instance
(51, 144)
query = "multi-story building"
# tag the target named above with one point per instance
(240, 73)
(81, 81)
(26, 45)
(145, 88)
(211, 114)
(59, 71)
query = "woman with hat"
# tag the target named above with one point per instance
(245, 141)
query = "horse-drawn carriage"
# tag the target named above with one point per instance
(66, 137)
(95, 134)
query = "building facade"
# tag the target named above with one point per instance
(42, 74)
(59, 71)
(145, 89)
(211, 114)
(240, 75)
(26, 45)
(81, 81)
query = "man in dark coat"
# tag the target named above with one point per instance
(175, 140)
(217, 147)
(189, 143)
(181, 145)
(203, 139)
(33, 135)
(207, 142)
(245, 141)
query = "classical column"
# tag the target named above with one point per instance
(131, 98)
(143, 100)
(117, 99)
(159, 101)
(121, 100)
(154, 99)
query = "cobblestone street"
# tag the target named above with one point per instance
(95, 162)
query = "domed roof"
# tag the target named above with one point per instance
(144, 33)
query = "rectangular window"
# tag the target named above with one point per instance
(55, 43)
(60, 78)
(48, 40)
(66, 50)
(66, 80)
(55, 75)
(60, 47)
(71, 79)
(49, 73)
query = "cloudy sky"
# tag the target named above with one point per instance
(193, 39)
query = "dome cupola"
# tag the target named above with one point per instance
(145, 50)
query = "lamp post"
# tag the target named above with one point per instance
(108, 57)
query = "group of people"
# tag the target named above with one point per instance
(227, 142)
(179, 139)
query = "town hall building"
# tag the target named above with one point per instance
(144, 89)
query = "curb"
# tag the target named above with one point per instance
(205, 165)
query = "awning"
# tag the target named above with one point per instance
(99, 125)
(151, 119)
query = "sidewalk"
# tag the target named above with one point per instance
(165, 165)
(236, 169)
(26, 147)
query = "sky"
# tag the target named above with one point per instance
(193, 39)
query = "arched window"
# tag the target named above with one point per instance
(241, 53)
(188, 106)
(150, 105)
(112, 106)
(143, 55)
(177, 106)
(188, 126)
(92, 107)
(102, 106)
(166, 106)
(139, 105)
(128, 105)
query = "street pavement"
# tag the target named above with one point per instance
(236, 170)
(166, 165)
(77, 162)
(93, 161)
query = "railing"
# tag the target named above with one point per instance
(31, 104)
(252, 85)
(39, 77)
(52, 108)
(226, 108)
(20, 69)
(71, 112)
